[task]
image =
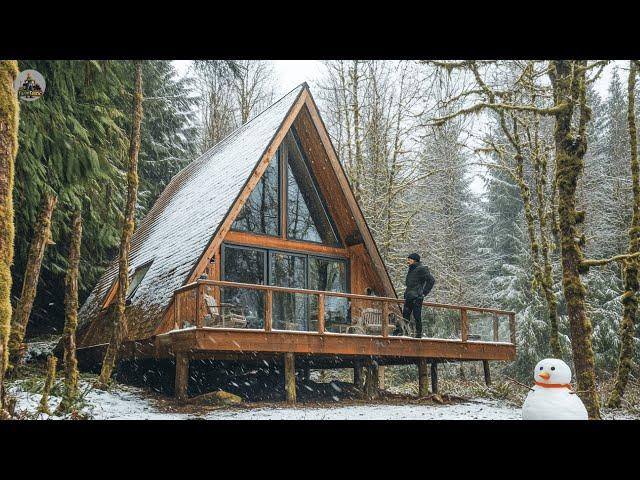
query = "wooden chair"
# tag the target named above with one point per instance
(372, 321)
(223, 315)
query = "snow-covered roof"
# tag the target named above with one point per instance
(186, 216)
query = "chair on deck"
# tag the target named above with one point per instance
(372, 322)
(223, 315)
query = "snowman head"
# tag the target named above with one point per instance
(552, 370)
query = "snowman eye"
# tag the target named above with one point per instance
(553, 368)
(541, 368)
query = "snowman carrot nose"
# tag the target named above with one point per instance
(544, 375)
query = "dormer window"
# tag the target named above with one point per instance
(136, 279)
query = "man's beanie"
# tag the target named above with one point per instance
(414, 256)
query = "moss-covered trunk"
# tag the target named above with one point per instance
(120, 326)
(71, 317)
(48, 385)
(569, 90)
(39, 242)
(9, 114)
(630, 272)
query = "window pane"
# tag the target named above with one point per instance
(245, 265)
(261, 213)
(136, 279)
(306, 216)
(289, 309)
(329, 275)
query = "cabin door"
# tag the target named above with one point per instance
(289, 309)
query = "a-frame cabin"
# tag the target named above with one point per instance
(258, 249)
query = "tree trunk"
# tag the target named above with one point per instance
(9, 114)
(41, 238)
(71, 317)
(630, 273)
(120, 326)
(48, 384)
(569, 86)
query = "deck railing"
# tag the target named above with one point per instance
(221, 304)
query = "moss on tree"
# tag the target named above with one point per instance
(9, 114)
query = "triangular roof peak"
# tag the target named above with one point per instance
(196, 209)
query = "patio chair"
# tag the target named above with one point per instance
(372, 321)
(224, 315)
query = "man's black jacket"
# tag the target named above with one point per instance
(419, 281)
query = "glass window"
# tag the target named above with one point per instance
(136, 279)
(331, 276)
(245, 265)
(261, 212)
(306, 215)
(289, 309)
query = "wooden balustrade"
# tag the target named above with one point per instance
(387, 304)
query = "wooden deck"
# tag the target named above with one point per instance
(191, 338)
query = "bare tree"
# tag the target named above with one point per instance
(120, 325)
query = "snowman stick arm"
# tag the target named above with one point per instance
(521, 384)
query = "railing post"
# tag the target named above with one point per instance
(496, 326)
(464, 326)
(321, 313)
(175, 311)
(268, 312)
(179, 310)
(512, 327)
(199, 319)
(385, 319)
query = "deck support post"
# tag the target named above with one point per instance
(372, 381)
(423, 376)
(182, 375)
(381, 372)
(358, 376)
(487, 372)
(290, 376)
(306, 373)
(434, 378)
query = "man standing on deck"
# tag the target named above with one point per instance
(419, 283)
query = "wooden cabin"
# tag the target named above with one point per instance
(258, 249)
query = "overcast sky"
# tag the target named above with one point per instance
(290, 73)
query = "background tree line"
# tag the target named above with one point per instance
(412, 138)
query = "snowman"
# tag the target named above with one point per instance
(552, 397)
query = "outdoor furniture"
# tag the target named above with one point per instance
(226, 315)
(372, 322)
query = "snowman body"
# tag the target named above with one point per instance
(553, 404)
(551, 397)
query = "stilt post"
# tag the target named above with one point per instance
(487, 372)
(423, 378)
(290, 377)
(182, 375)
(434, 377)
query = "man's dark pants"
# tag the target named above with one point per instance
(413, 305)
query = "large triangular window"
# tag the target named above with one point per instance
(307, 218)
(261, 212)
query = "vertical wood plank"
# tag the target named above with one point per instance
(182, 375)
(496, 327)
(487, 372)
(175, 311)
(268, 311)
(290, 377)
(321, 313)
(434, 377)
(199, 319)
(423, 377)
(464, 326)
(385, 319)
(512, 327)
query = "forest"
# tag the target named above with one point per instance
(517, 181)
